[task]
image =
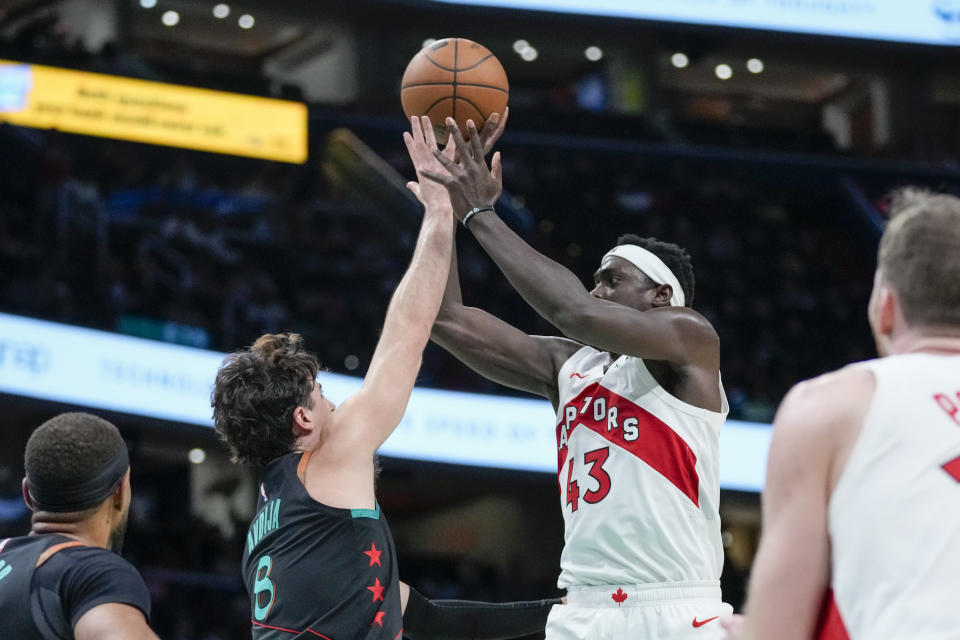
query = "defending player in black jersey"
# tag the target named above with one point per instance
(319, 560)
(64, 580)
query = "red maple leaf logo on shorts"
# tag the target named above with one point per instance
(619, 596)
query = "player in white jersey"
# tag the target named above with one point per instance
(861, 509)
(639, 412)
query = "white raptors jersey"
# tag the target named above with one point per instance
(638, 477)
(894, 516)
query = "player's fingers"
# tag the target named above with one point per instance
(415, 129)
(489, 128)
(475, 144)
(418, 156)
(448, 164)
(458, 140)
(428, 135)
(499, 126)
(414, 188)
(491, 124)
(450, 149)
(496, 169)
(437, 177)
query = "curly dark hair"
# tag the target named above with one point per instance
(256, 393)
(673, 256)
(69, 448)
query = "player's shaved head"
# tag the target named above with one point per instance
(919, 257)
(73, 462)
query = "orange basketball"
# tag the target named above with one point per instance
(455, 78)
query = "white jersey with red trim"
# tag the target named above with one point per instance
(638, 472)
(894, 516)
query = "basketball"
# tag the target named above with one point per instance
(456, 78)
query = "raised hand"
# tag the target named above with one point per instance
(491, 132)
(422, 146)
(493, 129)
(469, 182)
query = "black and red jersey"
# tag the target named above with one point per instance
(316, 571)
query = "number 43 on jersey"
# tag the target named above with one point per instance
(593, 462)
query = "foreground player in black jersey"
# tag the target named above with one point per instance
(319, 560)
(65, 580)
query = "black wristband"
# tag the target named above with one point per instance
(425, 619)
(475, 211)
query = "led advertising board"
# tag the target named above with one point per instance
(102, 370)
(107, 106)
(917, 21)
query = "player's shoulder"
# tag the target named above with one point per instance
(837, 384)
(85, 577)
(560, 349)
(688, 320)
(828, 400)
(569, 355)
(89, 561)
(696, 334)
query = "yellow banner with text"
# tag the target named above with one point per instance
(96, 104)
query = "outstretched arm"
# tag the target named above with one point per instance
(486, 344)
(495, 349)
(426, 619)
(376, 409)
(675, 334)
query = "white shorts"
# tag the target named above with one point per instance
(659, 611)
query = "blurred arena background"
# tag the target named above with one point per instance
(760, 135)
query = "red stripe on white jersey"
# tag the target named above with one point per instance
(830, 626)
(657, 444)
(953, 468)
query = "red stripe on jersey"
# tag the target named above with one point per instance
(656, 443)
(267, 626)
(830, 626)
(953, 468)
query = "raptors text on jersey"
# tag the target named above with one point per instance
(638, 477)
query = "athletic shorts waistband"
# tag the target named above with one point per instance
(626, 595)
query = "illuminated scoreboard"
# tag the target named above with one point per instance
(107, 106)
(935, 22)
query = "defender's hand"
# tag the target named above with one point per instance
(491, 132)
(470, 183)
(421, 145)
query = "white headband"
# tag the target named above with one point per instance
(653, 267)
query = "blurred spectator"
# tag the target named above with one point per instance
(211, 251)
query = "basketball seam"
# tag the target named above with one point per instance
(438, 101)
(462, 84)
(471, 103)
(473, 66)
(456, 56)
